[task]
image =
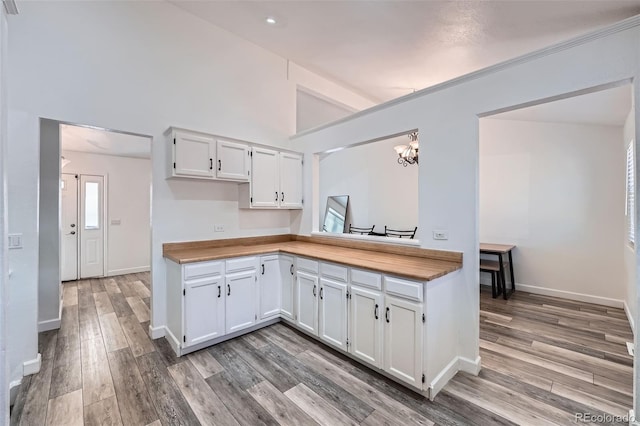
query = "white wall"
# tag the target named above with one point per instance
(129, 198)
(161, 67)
(381, 191)
(4, 270)
(556, 191)
(629, 134)
(446, 116)
(313, 111)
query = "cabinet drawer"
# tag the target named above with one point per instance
(408, 289)
(202, 269)
(366, 279)
(241, 264)
(307, 265)
(334, 271)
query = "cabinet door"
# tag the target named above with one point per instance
(287, 291)
(233, 161)
(290, 180)
(307, 302)
(366, 325)
(204, 310)
(403, 340)
(333, 313)
(193, 155)
(241, 300)
(264, 178)
(269, 282)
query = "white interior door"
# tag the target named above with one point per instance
(69, 224)
(91, 226)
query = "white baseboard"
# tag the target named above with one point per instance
(14, 387)
(173, 341)
(156, 332)
(447, 373)
(470, 366)
(32, 366)
(443, 378)
(125, 271)
(48, 325)
(629, 317)
(579, 297)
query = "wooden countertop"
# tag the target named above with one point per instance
(416, 267)
(496, 248)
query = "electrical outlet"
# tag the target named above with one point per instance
(219, 228)
(440, 235)
(15, 241)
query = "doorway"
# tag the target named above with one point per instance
(83, 239)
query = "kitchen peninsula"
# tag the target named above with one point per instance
(388, 306)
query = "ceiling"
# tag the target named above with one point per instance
(385, 49)
(98, 141)
(608, 107)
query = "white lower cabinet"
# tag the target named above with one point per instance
(269, 283)
(403, 339)
(365, 322)
(333, 313)
(204, 313)
(307, 302)
(241, 298)
(287, 291)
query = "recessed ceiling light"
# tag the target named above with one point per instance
(271, 20)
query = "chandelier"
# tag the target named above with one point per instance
(408, 154)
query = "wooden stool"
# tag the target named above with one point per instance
(493, 267)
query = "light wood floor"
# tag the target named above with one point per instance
(543, 359)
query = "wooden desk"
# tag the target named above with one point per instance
(500, 250)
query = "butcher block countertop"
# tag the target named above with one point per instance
(409, 262)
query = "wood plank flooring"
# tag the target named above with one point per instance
(544, 360)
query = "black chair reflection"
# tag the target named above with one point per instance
(360, 230)
(400, 233)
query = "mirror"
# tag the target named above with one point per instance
(336, 214)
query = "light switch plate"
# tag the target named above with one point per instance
(15, 241)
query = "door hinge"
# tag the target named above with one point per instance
(174, 141)
(256, 317)
(77, 176)
(256, 277)
(423, 378)
(184, 291)
(252, 153)
(248, 172)
(422, 317)
(174, 165)
(347, 342)
(184, 339)
(347, 295)
(251, 199)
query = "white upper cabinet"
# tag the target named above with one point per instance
(233, 161)
(264, 178)
(193, 155)
(290, 180)
(275, 181)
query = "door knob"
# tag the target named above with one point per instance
(73, 225)
(72, 233)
